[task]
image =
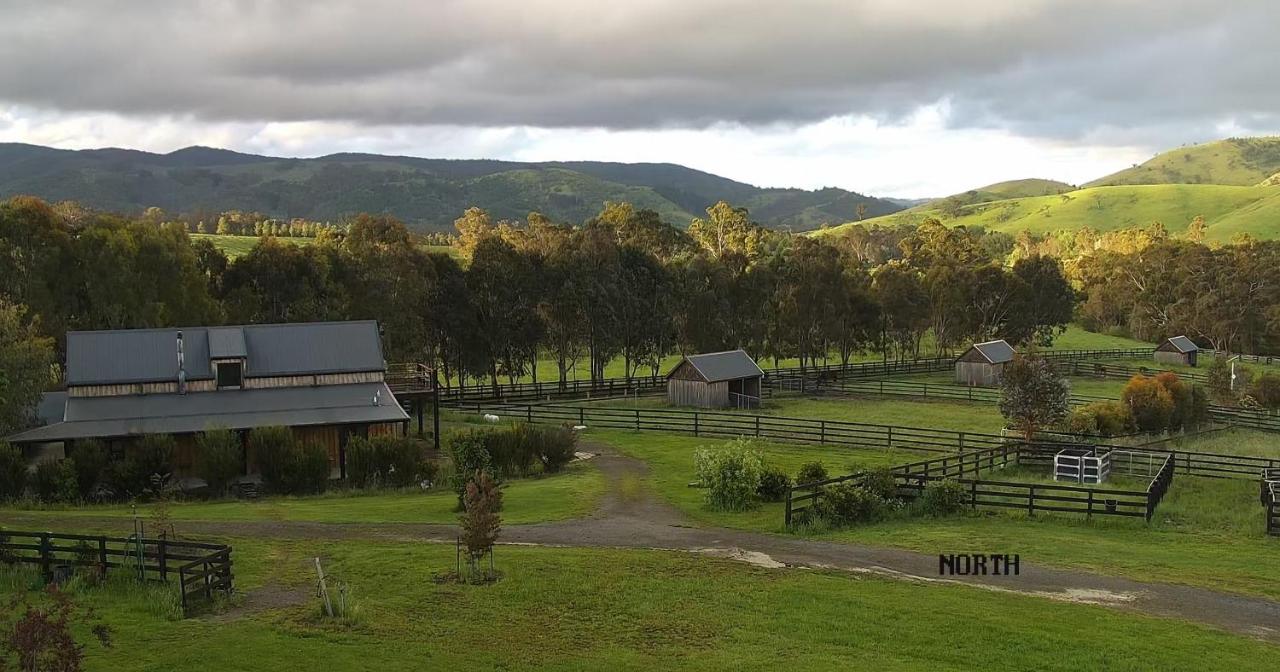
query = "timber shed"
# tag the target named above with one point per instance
(983, 363)
(729, 379)
(1177, 350)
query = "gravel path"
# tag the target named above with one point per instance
(634, 518)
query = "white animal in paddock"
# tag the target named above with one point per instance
(489, 417)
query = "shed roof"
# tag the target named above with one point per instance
(135, 415)
(714, 367)
(1182, 344)
(150, 355)
(995, 352)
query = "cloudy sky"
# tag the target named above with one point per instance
(889, 97)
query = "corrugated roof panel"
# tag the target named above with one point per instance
(135, 356)
(231, 409)
(729, 365)
(227, 343)
(996, 352)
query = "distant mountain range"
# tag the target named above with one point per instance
(426, 193)
(1234, 184)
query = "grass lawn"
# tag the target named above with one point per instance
(571, 494)
(235, 246)
(1207, 532)
(571, 609)
(1231, 442)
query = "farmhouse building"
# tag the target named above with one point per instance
(325, 380)
(715, 380)
(983, 363)
(1177, 350)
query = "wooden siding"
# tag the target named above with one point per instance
(1172, 356)
(685, 371)
(697, 393)
(328, 436)
(980, 374)
(391, 429)
(210, 385)
(973, 356)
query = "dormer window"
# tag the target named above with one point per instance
(230, 374)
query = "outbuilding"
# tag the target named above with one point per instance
(729, 379)
(983, 363)
(1177, 350)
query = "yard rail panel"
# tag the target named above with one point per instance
(149, 559)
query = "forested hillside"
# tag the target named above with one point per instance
(427, 194)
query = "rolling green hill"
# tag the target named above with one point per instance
(427, 193)
(1236, 161)
(1228, 210)
(996, 192)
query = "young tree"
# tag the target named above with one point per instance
(1033, 395)
(26, 368)
(480, 521)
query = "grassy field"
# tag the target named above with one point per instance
(1243, 162)
(1228, 210)
(571, 609)
(570, 494)
(1207, 532)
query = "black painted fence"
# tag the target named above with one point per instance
(201, 569)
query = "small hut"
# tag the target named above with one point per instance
(983, 363)
(1177, 350)
(728, 379)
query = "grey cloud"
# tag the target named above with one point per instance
(1053, 68)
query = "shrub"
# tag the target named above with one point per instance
(287, 465)
(731, 475)
(1100, 418)
(774, 484)
(1199, 411)
(272, 449)
(1218, 380)
(89, 460)
(557, 447)
(1033, 395)
(145, 467)
(55, 481)
(13, 472)
(469, 453)
(1266, 391)
(811, 472)
(1150, 403)
(362, 462)
(480, 521)
(219, 459)
(399, 460)
(942, 498)
(847, 503)
(515, 449)
(881, 483)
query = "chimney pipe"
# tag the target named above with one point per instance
(182, 371)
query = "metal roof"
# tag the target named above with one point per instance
(1183, 344)
(227, 343)
(135, 415)
(719, 366)
(150, 355)
(51, 407)
(996, 352)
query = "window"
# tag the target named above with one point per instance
(230, 374)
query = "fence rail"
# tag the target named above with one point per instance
(148, 559)
(1271, 499)
(726, 424)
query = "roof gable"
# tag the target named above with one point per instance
(715, 367)
(151, 355)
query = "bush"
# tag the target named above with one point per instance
(55, 481)
(1218, 380)
(943, 498)
(774, 484)
(219, 459)
(13, 472)
(470, 453)
(145, 467)
(1100, 418)
(847, 503)
(89, 460)
(386, 461)
(556, 447)
(515, 449)
(811, 472)
(731, 475)
(1266, 391)
(1150, 403)
(881, 483)
(287, 465)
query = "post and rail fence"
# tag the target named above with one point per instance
(202, 569)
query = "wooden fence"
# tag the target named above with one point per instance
(1270, 497)
(1111, 370)
(726, 424)
(202, 569)
(967, 469)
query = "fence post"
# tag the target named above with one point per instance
(890, 437)
(45, 571)
(582, 421)
(787, 516)
(973, 493)
(637, 419)
(1031, 501)
(163, 550)
(758, 428)
(1088, 514)
(822, 428)
(102, 555)
(695, 423)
